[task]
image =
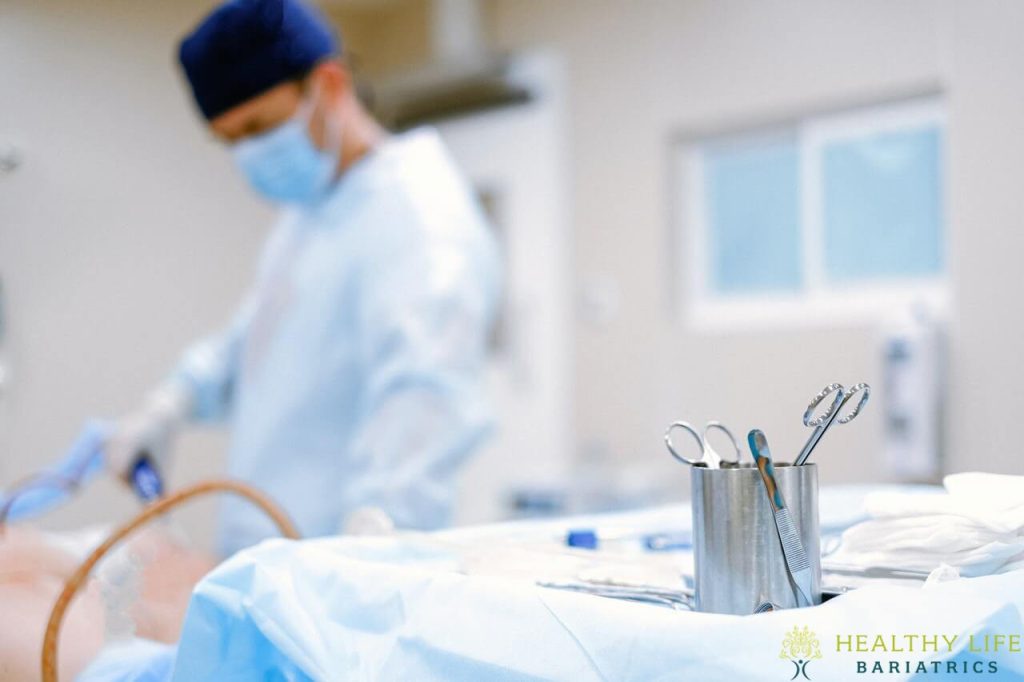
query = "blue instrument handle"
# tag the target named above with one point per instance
(146, 480)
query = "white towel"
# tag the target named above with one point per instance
(976, 526)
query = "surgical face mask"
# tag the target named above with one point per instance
(284, 165)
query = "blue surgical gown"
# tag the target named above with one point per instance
(352, 374)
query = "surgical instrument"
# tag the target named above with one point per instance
(824, 421)
(709, 457)
(679, 600)
(146, 480)
(766, 607)
(886, 572)
(792, 547)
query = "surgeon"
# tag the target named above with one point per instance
(351, 374)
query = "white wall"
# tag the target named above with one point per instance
(644, 70)
(985, 60)
(126, 232)
(124, 235)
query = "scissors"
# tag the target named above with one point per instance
(822, 422)
(708, 456)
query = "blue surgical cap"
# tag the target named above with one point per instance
(246, 47)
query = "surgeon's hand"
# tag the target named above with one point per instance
(148, 431)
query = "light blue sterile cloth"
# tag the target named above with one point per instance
(320, 610)
(81, 462)
(133, 660)
(408, 608)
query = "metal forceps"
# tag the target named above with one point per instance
(709, 457)
(822, 422)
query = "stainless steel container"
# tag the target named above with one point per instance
(738, 559)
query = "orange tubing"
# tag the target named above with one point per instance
(158, 508)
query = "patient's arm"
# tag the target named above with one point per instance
(170, 571)
(32, 575)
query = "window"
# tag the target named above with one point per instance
(831, 216)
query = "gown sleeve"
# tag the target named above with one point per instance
(209, 368)
(425, 322)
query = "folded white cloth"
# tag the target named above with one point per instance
(976, 526)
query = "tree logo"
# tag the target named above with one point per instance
(800, 646)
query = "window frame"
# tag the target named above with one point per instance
(819, 302)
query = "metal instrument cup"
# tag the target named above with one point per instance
(738, 560)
